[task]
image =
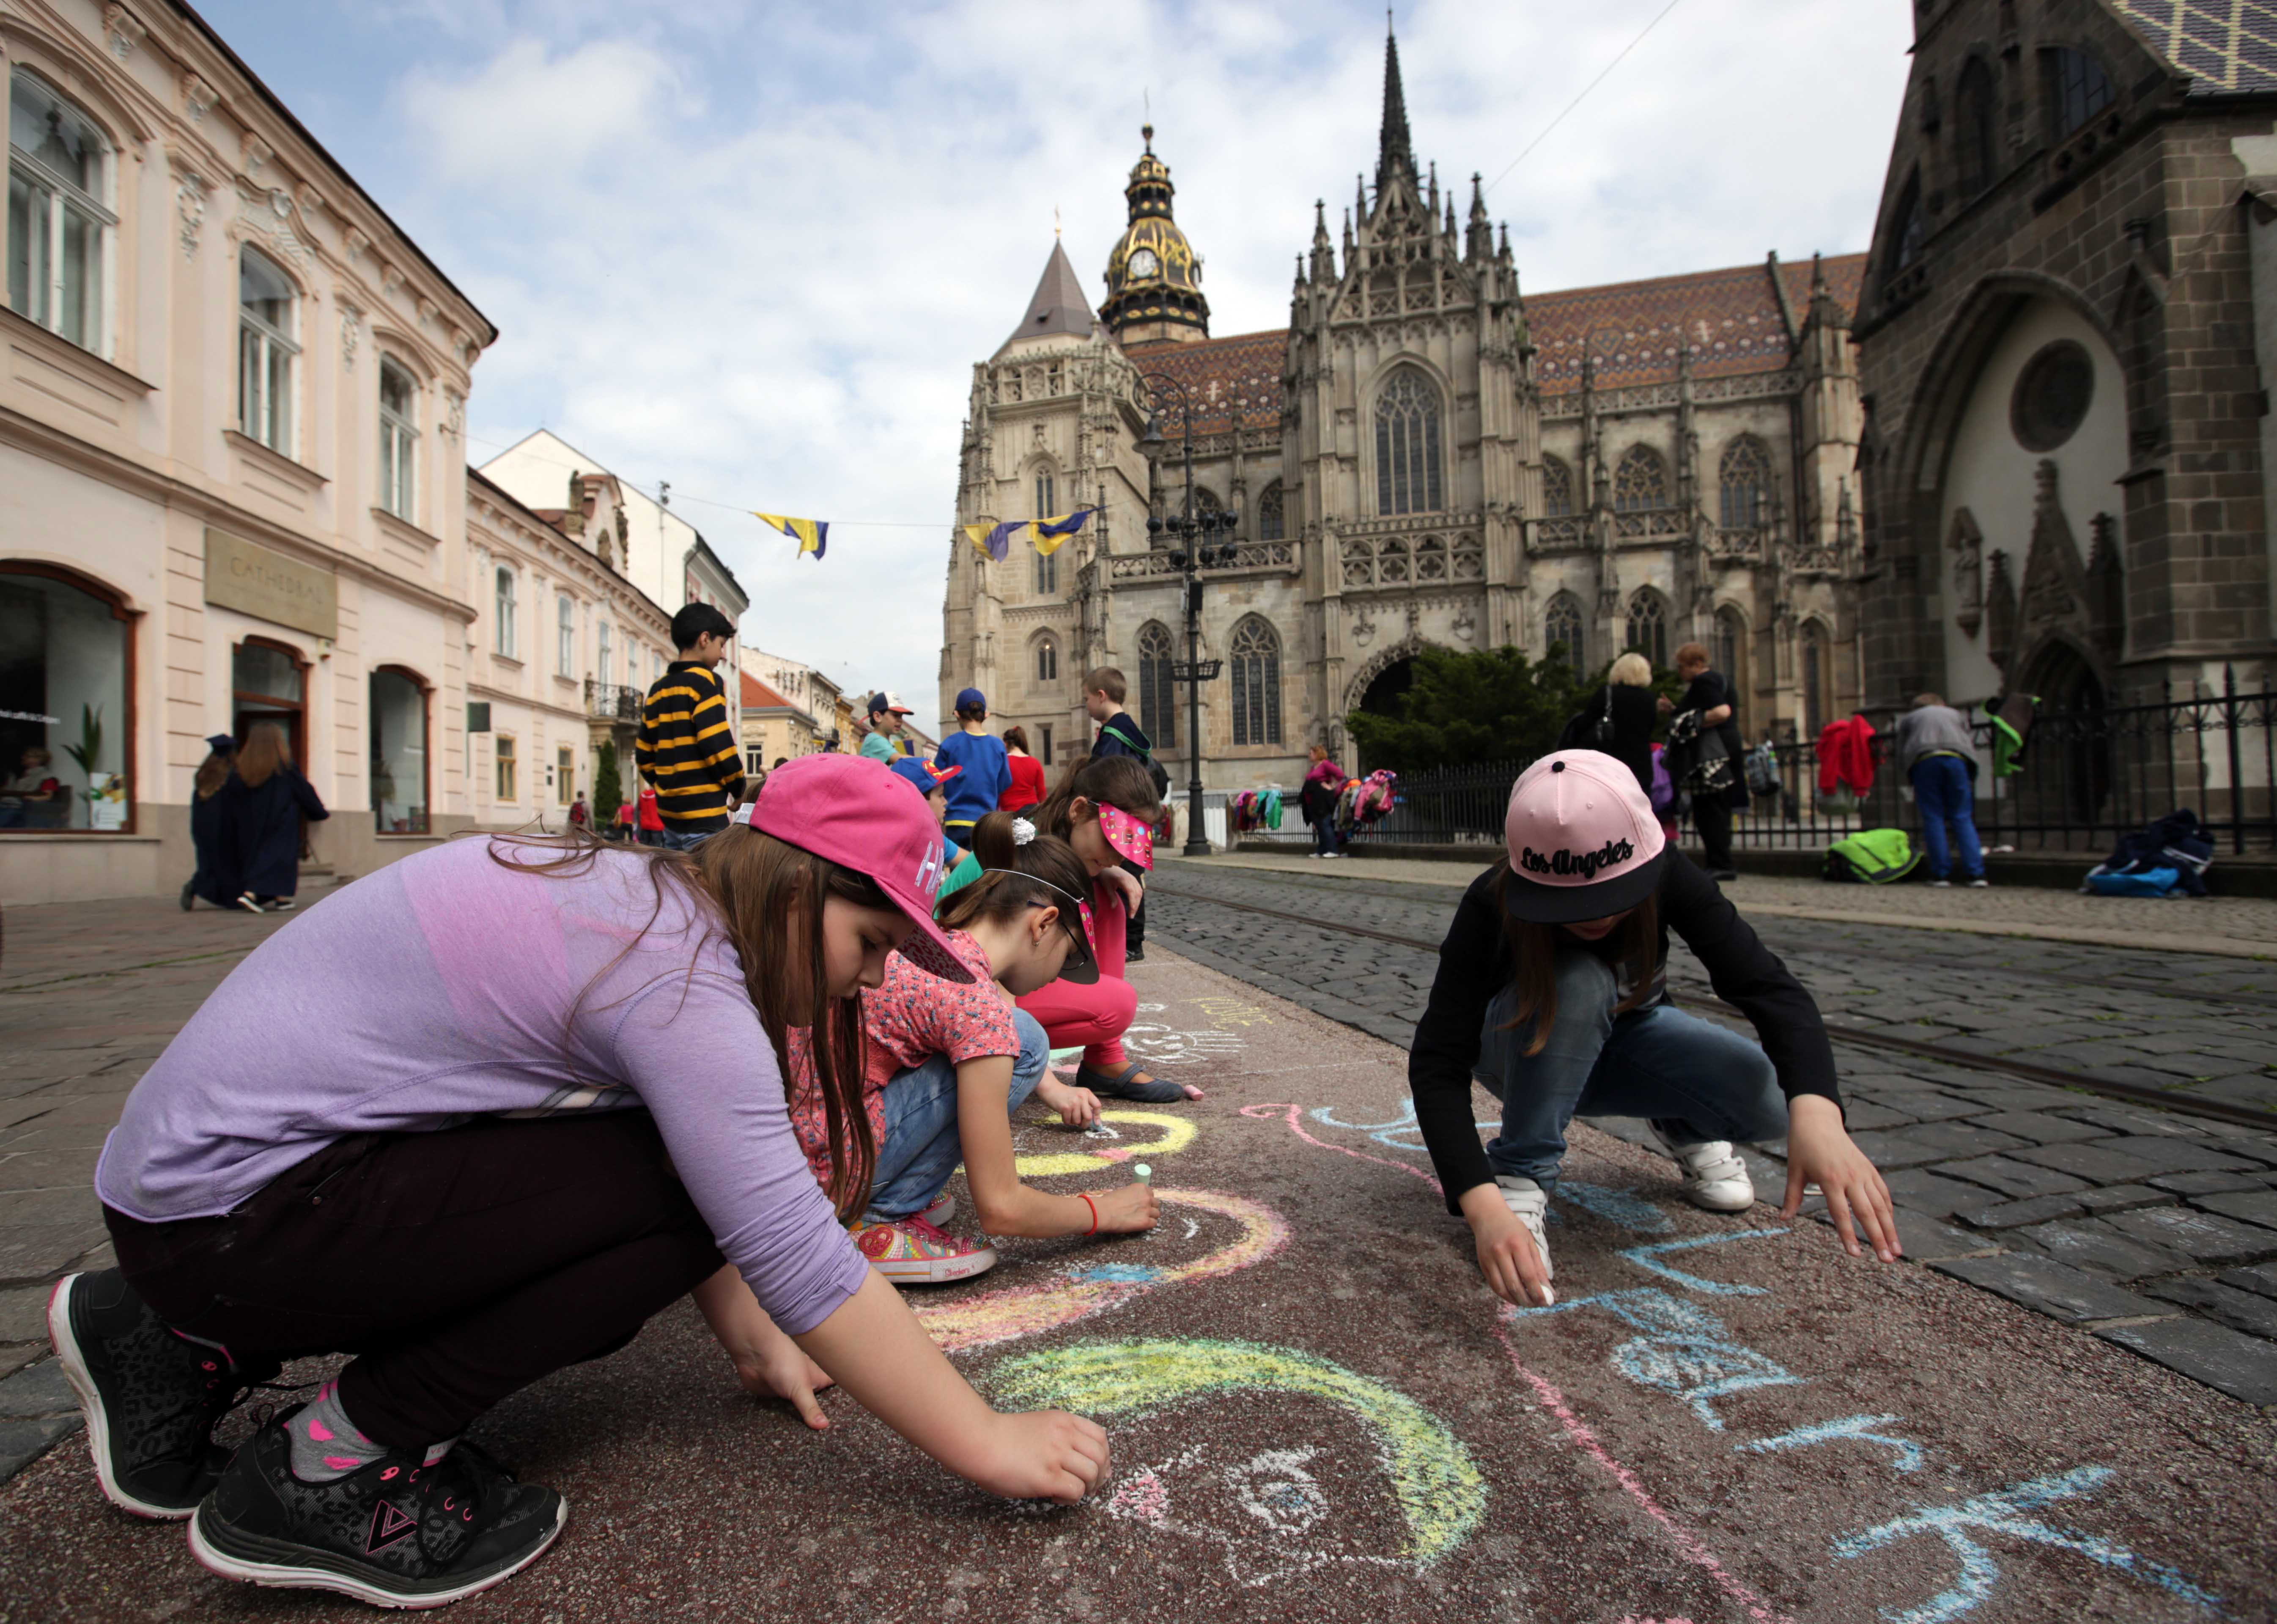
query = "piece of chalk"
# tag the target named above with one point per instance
(1146, 1174)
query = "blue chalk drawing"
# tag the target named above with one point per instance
(2002, 1512)
(1624, 1208)
(1648, 1257)
(1909, 1454)
(1685, 1352)
(1118, 1273)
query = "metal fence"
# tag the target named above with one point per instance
(2086, 777)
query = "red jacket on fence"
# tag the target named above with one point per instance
(1846, 756)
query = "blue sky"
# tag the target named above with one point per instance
(755, 249)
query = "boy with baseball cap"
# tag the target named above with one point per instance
(987, 767)
(881, 743)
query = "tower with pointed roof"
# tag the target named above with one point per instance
(1154, 277)
(1421, 458)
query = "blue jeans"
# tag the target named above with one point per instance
(922, 1149)
(1324, 836)
(1943, 792)
(1694, 1079)
(673, 839)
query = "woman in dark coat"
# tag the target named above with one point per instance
(266, 800)
(1632, 712)
(207, 879)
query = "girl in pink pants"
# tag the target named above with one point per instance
(1105, 809)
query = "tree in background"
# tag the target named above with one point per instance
(608, 793)
(1495, 704)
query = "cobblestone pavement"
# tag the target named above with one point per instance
(2155, 1228)
(1318, 1413)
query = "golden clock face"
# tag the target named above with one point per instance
(1142, 263)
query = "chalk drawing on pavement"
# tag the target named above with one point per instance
(1233, 1013)
(1090, 1288)
(1176, 1133)
(1648, 1258)
(1286, 1514)
(1910, 1454)
(1168, 1047)
(2007, 1511)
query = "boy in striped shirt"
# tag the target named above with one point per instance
(688, 747)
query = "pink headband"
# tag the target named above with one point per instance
(1133, 841)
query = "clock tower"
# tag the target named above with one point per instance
(1154, 278)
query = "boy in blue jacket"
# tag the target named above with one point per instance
(986, 770)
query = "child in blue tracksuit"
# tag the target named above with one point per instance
(986, 769)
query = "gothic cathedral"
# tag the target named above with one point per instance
(1422, 457)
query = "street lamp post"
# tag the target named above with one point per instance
(1194, 546)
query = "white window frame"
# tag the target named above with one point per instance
(398, 444)
(266, 413)
(506, 605)
(564, 651)
(605, 652)
(64, 197)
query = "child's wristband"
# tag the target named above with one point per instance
(1087, 1202)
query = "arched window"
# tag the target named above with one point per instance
(1205, 501)
(1271, 522)
(1046, 492)
(399, 438)
(1816, 691)
(1048, 573)
(1907, 229)
(1640, 480)
(1158, 694)
(2078, 89)
(1561, 633)
(266, 351)
(1556, 489)
(1974, 106)
(1048, 660)
(59, 217)
(1256, 651)
(1648, 627)
(1730, 654)
(1746, 474)
(398, 751)
(66, 653)
(507, 641)
(1407, 477)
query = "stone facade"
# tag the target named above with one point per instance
(1422, 457)
(2062, 348)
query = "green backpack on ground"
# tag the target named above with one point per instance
(1871, 856)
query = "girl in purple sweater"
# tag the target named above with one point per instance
(534, 1094)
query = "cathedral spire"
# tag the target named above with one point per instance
(1324, 253)
(1398, 149)
(1479, 244)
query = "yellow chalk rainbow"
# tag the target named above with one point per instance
(1178, 1134)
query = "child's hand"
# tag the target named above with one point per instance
(781, 1371)
(1078, 1108)
(1124, 881)
(1128, 1210)
(1043, 1454)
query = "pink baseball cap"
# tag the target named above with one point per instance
(1133, 841)
(1583, 840)
(842, 808)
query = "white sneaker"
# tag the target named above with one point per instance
(1979, 883)
(1715, 1178)
(1529, 1203)
(1940, 885)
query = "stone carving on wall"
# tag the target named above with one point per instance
(198, 97)
(1966, 542)
(2000, 613)
(190, 190)
(2053, 597)
(2106, 588)
(351, 332)
(122, 29)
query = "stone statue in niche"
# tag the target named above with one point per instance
(2106, 588)
(2000, 613)
(2053, 575)
(1966, 542)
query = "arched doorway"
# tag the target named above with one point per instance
(2070, 739)
(1390, 686)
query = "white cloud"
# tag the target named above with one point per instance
(760, 261)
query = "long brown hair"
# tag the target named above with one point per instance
(213, 773)
(748, 885)
(1016, 738)
(1120, 782)
(1044, 873)
(265, 751)
(1534, 949)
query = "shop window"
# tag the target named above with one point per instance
(399, 752)
(509, 786)
(59, 219)
(66, 654)
(270, 682)
(266, 352)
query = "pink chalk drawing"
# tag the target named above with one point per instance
(1293, 1115)
(1085, 1290)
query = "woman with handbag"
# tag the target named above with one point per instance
(1619, 719)
(1324, 780)
(1703, 727)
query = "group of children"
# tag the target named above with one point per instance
(544, 1087)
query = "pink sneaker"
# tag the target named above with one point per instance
(912, 1251)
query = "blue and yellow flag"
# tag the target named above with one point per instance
(1047, 534)
(995, 540)
(812, 535)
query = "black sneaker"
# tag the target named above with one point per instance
(152, 1398)
(395, 1533)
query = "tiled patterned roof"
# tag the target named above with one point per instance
(1731, 317)
(1238, 375)
(2224, 45)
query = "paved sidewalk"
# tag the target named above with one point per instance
(2242, 927)
(1317, 1413)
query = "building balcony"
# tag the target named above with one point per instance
(613, 702)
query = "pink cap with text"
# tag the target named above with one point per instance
(1583, 841)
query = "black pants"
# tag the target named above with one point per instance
(1711, 815)
(458, 1266)
(1134, 935)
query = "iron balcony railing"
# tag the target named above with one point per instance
(615, 701)
(2086, 776)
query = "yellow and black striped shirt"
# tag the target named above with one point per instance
(688, 749)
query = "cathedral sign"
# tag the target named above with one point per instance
(270, 586)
